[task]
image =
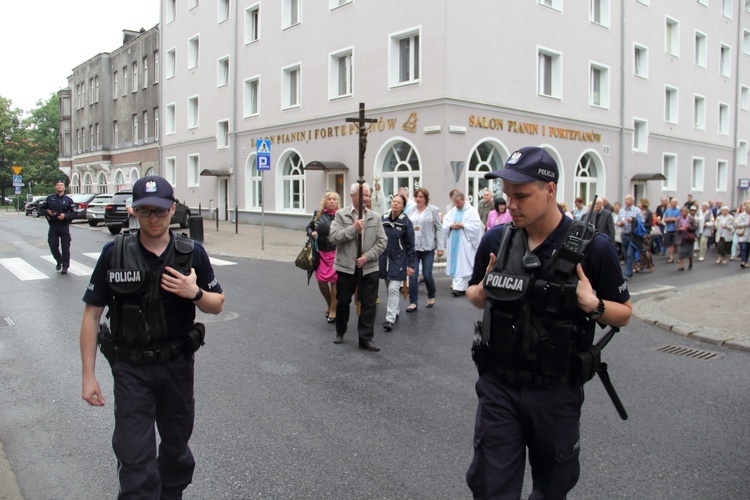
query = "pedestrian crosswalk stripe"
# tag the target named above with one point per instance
(220, 262)
(93, 255)
(23, 270)
(75, 267)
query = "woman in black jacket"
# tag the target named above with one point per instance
(399, 258)
(325, 274)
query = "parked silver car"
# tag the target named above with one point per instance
(95, 212)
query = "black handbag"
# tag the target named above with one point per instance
(308, 260)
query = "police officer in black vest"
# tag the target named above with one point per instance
(60, 210)
(540, 307)
(151, 281)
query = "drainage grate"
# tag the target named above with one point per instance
(689, 352)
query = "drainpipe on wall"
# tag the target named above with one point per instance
(233, 135)
(737, 94)
(621, 179)
(158, 97)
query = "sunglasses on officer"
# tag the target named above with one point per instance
(146, 212)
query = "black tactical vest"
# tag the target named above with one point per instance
(532, 314)
(140, 313)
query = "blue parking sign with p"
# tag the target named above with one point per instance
(263, 154)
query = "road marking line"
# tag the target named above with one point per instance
(220, 262)
(75, 267)
(93, 255)
(663, 288)
(23, 270)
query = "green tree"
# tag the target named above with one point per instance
(12, 140)
(42, 144)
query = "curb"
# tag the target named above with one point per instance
(9, 488)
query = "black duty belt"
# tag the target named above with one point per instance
(160, 354)
(524, 378)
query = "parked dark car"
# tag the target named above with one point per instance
(32, 207)
(116, 215)
(82, 204)
(97, 206)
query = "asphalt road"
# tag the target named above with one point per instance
(282, 412)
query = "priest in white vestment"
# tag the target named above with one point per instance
(463, 231)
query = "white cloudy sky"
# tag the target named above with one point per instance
(42, 40)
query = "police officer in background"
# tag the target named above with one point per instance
(151, 281)
(529, 396)
(60, 210)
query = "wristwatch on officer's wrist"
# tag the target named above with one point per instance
(598, 312)
(199, 295)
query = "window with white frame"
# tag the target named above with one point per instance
(91, 138)
(96, 88)
(671, 100)
(640, 135)
(333, 4)
(252, 23)
(723, 118)
(157, 66)
(726, 8)
(742, 153)
(193, 170)
(98, 140)
(669, 170)
(124, 81)
(405, 57)
(223, 13)
(222, 72)
(79, 147)
(250, 97)
(722, 175)
(171, 125)
(91, 91)
(745, 97)
(193, 112)
(135, 128)
(254, 195)
(699, 167)
(599, 85)
(171, 63)
(192, 4)
(170, 170)
(701, 49)
(747, 5)
(290, 87)
(135, 77)
(171, 10)
(115, 134)
(156, 124)
(291, 13)
(340, 74)
(145, 126)
(552, 4)
(549, 73)
(293, 180)
(145, 72)
(194, 51)
(699, 112)
(640, 60)
(725, 61)
(746, 42)
(672, 37)
(222, 134)
(599, 12)
(115, 85)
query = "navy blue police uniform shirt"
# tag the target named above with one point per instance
(98, 294)
(600, 262)
(60, 205)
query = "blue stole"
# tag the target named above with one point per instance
(455, 243)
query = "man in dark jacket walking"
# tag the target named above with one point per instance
(60, 210)
(603, 221)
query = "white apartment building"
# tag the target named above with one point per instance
(629, 96)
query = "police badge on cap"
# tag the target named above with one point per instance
(154, 191)
(527, 165)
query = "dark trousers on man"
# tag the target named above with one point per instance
(368, 294)
(59, 236)
(510, 419)
(145, 395)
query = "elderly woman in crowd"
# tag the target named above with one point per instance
(325, 274)
(499, 215)
(705, 219)
(428, 239)
(399, 258)
(741, 223)
(685, 229)
(723, 236)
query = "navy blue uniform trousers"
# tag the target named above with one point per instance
(511, 419)
(57, 237)
(145, 395)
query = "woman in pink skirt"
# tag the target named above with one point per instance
(319, 228)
